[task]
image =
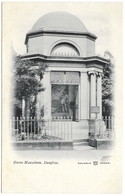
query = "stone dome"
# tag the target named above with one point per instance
(59, 21)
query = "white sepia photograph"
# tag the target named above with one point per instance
(62, 97)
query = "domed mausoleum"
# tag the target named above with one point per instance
(73, 76)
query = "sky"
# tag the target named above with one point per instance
(102, 19)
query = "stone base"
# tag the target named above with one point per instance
(42, 145)
(84, 123)
(102, 144)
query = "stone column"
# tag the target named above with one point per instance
(92, 95)
(93, 92)
(38, 106)
(27, 107)
(38, 102)
(23, 107)
(77, 105)
(84, 106)
(43, 105)
(99, 94)
(47, 95)
(79, 102)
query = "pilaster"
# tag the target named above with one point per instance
(47, 95)
(92, 95)
(99, 94)
(23, 107)
(95, 96)
(84, 108)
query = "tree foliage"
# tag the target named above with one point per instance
(27, 76)
(108, 86)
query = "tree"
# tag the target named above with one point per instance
(27, 75)
(108, 86)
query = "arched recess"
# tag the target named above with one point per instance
(64, 48)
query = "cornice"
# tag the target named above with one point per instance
(42, 32)
(87, 60)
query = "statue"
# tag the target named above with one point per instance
(64, 102)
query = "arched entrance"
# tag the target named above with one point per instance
(64, 94)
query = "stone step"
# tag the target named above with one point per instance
(80, 144)
(80, 140)
(83, 148)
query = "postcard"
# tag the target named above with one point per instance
(62, 97)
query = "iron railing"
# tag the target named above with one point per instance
(58, 128)
(41, 129)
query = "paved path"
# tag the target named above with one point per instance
(78, 154)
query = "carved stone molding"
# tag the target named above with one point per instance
(91, 73)
(65, 77)
(57, 77)
(72, 77)
(98, 74)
